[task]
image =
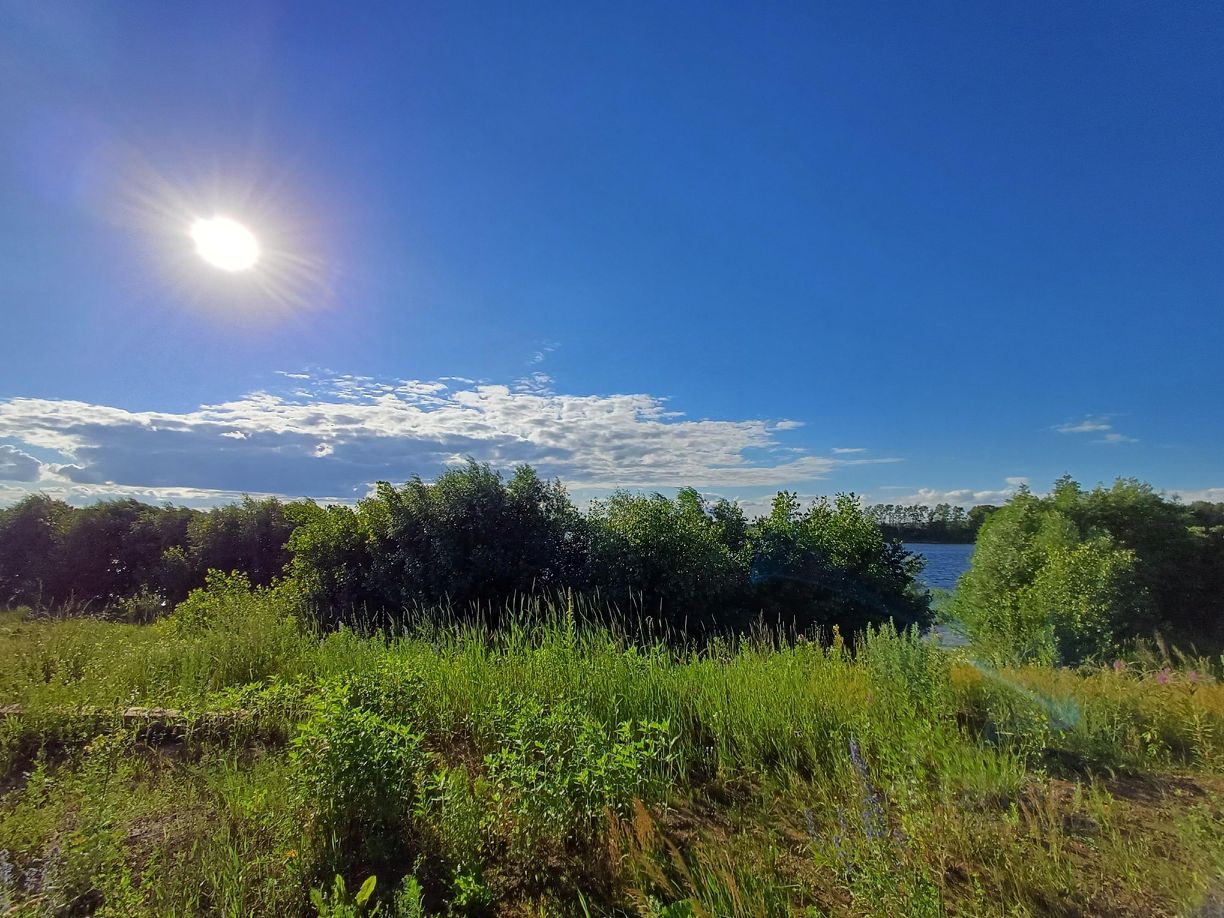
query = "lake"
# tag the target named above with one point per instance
(944, 563)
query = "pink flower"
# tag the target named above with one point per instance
(1163, 676)
(1119, 666)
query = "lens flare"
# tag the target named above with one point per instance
(235, 247)
(225, 244)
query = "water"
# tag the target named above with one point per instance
(944, 563)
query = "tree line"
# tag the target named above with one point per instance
(921, 523)
(53, 555)
(474, 539)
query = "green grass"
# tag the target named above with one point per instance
(553, 768)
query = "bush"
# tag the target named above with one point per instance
(832, 565)
(472, 541)
(456, 812)
(1179, 561)
(1083, 594)
(358, 774)
(98, 557)
(1078, 576)
(31, 532)
(468, 538)
(238, 633)
(333, 552)
(557, 770)
(250, 536)
(667, 558)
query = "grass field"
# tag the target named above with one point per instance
(225, 760)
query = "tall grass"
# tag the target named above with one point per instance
(554, 765)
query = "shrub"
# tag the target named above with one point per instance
(831, 565)
(557, 770)
(333, 555)
(470, 543)
(1046, 584)
(31, 532)
(98, 556)
(1082, 595)
(231, 633)
(455, 810)
(357, 774)
(667, 558)
(470, 537)
(250, 536)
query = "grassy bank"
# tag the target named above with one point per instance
(557, 769)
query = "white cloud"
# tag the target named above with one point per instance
(535, 383)
(965, 497)
(849, 449)
(1087, 425)
(1101, 424)
(1214, 495)
(968, 497)
(336, 434)
(546, 348)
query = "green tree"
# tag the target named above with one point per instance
(832, 565)
(470, 537)
(1079, 574)
(333, 549)
(97, 561)
(31, 533)
(668, 557)
(250, 536)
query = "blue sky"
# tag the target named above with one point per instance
(918, 251)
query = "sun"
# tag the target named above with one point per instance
(225, 244)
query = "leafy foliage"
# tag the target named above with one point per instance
(831, 564)
(98, 557)
(559, 770)
(667, 557)
(358, 777)
(1079, 575)
(472, 540)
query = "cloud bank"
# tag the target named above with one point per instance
(965, 497)
(330, 436)
(17, 466)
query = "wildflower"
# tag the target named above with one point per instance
(810, 818)
(1163, 676)
(872, 815)
(6, 880)
(290, 854)
(1192, 676)
(1119, 666)
(841, 844)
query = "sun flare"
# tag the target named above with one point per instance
(225, 244)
